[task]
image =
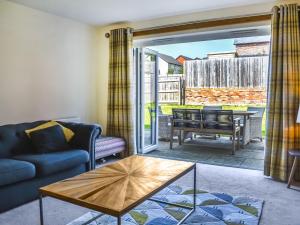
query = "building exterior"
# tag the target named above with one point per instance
(168, 65)
(222, 55)
(181, 59)
(252, 46)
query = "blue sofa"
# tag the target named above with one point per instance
(22, 172)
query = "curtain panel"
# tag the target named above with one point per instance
(120, 115)
(283, 133)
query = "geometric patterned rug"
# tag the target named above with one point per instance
(212, 209)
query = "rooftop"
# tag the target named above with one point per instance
(169, 59)
(250, 40)
(185, 57)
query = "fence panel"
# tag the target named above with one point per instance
(170, 88)
(246, 72)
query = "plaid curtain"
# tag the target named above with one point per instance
(283, 133)
(120, 122)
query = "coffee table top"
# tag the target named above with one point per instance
(117, 188)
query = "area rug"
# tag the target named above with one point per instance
(212, 209)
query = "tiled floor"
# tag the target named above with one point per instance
(216, 152)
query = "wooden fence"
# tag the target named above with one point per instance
(170, 89)
(243, 72)
(247, 72)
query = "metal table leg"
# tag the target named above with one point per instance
(119, 220)
(195, 186)
(41, 210)
(192, 209)
(194, 197)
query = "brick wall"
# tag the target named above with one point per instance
(196, 96)
(252, 49)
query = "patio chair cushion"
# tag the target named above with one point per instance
(210, 119)
(193, 114)
(179, 114)
(225, 122)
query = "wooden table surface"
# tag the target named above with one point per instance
(117, 188)
(244, 113)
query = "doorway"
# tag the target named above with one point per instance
(166, 81)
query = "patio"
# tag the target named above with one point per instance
(215, 152)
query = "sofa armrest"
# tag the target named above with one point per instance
(85, 138)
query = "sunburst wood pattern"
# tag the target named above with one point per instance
(119, 187)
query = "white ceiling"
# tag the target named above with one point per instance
(101, 12)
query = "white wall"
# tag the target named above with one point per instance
(163, 67)
(47, 66)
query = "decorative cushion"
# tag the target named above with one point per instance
(49, 139)
(13, 171)
(67, 132)
(193, 114)
(225, 121)
(51, 163)
(180, 115)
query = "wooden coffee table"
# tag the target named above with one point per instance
(117, 188)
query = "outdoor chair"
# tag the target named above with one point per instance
(181, 115)
(206, 122)
(164, 125)
(256, 122)
(222, 122)
(212, 107)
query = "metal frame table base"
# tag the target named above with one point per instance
(151, 199)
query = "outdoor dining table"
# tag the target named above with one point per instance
(246, 124)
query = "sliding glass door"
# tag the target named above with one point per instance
(147, 98)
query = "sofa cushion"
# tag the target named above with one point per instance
(50, 139)
(13, 139)
(13, 171)
(67, 132)
(51, 163)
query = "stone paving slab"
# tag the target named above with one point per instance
(215, 152)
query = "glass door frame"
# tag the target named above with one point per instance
(139, 56)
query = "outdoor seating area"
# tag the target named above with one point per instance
(194, 142)
(216, 122)
(251, 123)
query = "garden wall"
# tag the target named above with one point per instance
(198, 96)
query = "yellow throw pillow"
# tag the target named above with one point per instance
(67, 132)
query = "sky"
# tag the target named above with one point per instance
(195, 49)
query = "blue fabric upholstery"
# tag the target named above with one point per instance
(50, 139)
(48, 168)
(85, 138)
(12, 171)
(51, 163)
(13, 139)
(18, 193)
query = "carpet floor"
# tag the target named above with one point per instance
(211, 209)
(281, 207)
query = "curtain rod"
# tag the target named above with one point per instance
(201, 24)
